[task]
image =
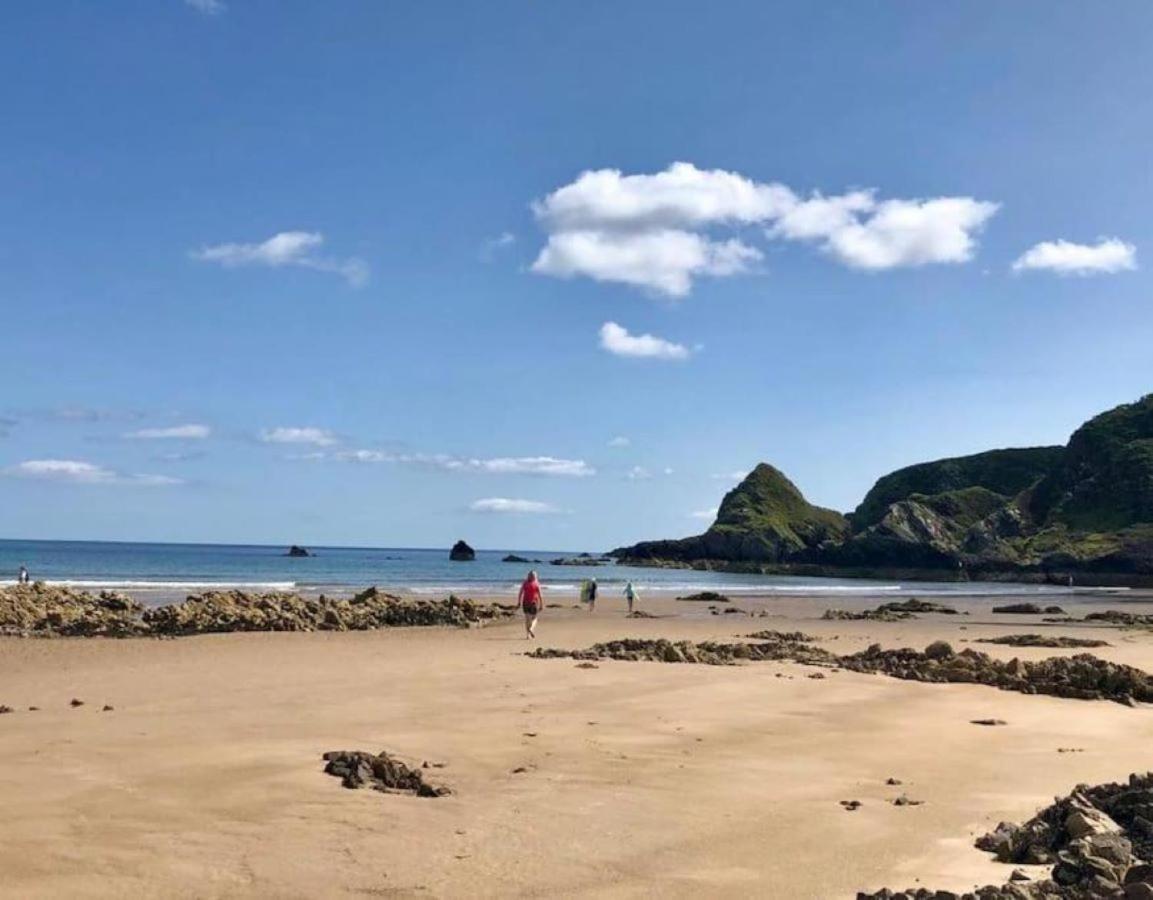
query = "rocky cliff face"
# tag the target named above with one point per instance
(1042, 513)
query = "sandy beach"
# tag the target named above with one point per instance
(638, 779)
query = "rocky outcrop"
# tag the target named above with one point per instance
(1041, 514)
(1081, 677)
(705, 597)
(513, 558)
(764, 519)
(891, 612)
(381, 772)
(1042, 640)
(584, 559)
(1028, 609)
(1097, 840)
(40, 610)
(297, 551)
(461, 552)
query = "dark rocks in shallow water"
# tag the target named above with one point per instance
(297, 551)
(513, 558)
(357, 769)
(705, 597)
(1029, 609)
(584, 559)
(461, 552)
(1038, 640)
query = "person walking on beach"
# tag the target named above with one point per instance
(529, 600)
(592, 594)
(631, 596)
(22, 578)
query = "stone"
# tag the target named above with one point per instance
(988, 722)
(382, 772)
(297, 551)
(461, 552)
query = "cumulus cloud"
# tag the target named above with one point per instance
(617, 340)
(658, 231)
(1107, 257)
(75, 471)
(502, 465)
(620, 441)
(509, 505)
(317, 437)
(188, 432)
(638, 473)
(288, 248)
(208, 7)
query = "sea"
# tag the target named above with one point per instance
(161, 573)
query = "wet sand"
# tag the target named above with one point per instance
(642, 779)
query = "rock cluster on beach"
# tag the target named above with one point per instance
(705, 597)
(42, 610)
(1028, 609)
(1042, 640)
(891, 612)
(39, 609)
(1080, 677)
(381, 772)
(1099, 841)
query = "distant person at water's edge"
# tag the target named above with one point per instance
(631, 595)
(22, 578)
(592, 594)
(529, 601)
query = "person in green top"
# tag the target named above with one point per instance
(631, 596)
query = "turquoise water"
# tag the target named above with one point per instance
(167, 571)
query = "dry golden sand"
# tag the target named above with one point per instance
(643, 779)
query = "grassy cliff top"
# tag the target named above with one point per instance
(766, 501)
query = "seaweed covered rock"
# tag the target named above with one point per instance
(381, 772)
(705, 597)
(1039, 640)
(1080, 677)
(778, 647)
(892, 612)
(224, 611)
(42, 609)
(1028, 609)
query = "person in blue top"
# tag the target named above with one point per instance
(631, 596)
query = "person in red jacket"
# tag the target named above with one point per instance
(529, 601)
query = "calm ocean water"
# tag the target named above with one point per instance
(161, 572)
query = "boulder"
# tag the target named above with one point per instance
(297, 551)
(461, 552)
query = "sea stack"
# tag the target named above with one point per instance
(461, 552)
(294, 550)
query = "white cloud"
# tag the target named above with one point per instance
(317, 437)
(76, 471)
(176, 432)
(288, 248)
(507, 505)
(617, 340)
(1108, 256)
(620, 441)
(491, 247)
(208, 7)
(707, 514)
(502, 465)
(655, 231)
(638, 473)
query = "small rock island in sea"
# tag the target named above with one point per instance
(295, 550)
(461, 552)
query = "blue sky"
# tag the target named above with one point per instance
(277, 270)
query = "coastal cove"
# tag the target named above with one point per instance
(159, 573)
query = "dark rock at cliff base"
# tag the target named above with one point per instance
(1029, 609)
(461, 552)
(298, 551)
(381, 772)
(513, 558)
(584, 559)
